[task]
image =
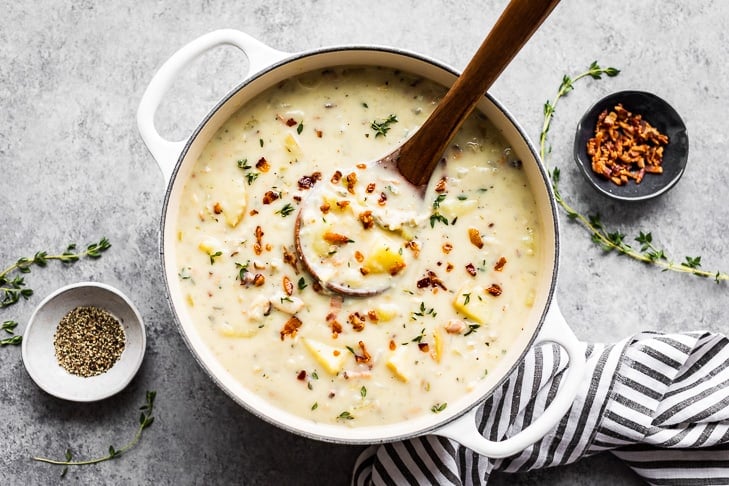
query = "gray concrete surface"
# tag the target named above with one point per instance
(73, 169)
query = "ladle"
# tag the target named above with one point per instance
(418, 156)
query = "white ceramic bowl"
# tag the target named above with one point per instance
(39, 353)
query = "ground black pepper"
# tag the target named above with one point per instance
(88, 341)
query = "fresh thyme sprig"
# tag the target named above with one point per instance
(608, 240)
(12, 283)
(145, 420)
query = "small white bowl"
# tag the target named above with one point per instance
(39, 353)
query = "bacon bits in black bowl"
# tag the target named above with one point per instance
(631, 146)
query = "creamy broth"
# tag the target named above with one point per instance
(461, 265)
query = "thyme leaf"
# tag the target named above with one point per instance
(382, 127)
(145, 420)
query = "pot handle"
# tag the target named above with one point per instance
(464, 430)
(164, 151)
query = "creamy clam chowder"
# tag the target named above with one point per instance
(459, 263)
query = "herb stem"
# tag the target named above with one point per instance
(611, 241)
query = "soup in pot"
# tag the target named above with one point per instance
(459, 264)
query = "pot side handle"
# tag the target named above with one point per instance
(164, 151)
(465, 431)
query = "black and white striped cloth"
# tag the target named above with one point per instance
(659, 402)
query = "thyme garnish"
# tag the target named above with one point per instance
(609, 240)
(382, 127)
(12, 282)
(436, 216)
(145, 420)
(438, 407)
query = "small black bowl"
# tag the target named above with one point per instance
(659, 114)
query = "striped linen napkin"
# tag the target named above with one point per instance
(659, 402)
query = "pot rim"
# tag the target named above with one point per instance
(431, 425)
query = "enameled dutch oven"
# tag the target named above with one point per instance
(267, 67)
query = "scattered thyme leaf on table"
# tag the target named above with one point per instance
(608, 240)
(145, 420)
(12, 280)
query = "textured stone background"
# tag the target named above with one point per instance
(73, 168)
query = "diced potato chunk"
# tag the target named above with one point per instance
(437, 351)
(450, 208)
(384, 259)
(397, 362)
(330, 358)
(386, 311)
(470, 301)
(233, 201)
(238, 329)
(292, 147)
(210, 246)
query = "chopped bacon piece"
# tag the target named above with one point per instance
(336, 177)
(430, 280)
(351, 181)
(370, 188)
(494, 289)
(217, 209)
(336, 238)
(475, 236)
(290, 258)
(471, 269)
(262, 164)
(500, 264)
(368, 221)
(288, 285)
(291, 122)
(308, 181)
(290, 328)
(440, 186)
(365, 356)
(357, 321)
(270, 197)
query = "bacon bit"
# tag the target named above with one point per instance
(336, 352)
(270, 197)
(361, 166)
(358, 256)
(357, 321)
(319, 133)
(217, 209)
(440, 186)
(382, 200)
(290, 258)
(258, 248)
(342, 204)
(290, 327)
(301, 376)
(288, 285)
(351, 181)
(475, 236)
(336, 177)
(336, 328)
(500, 264)
(324, 208)
(308, 181)
(364, 271)
(413, 246)
(471, 269)
(447, 247)
(625, 146)
(449, 267)
(392, 345)
(296, 198)
(455, 326)
(372, 315)
(494, 289)
(259, 280)
(269, 247)
(365, 356)
(291, 122)
(368, 221)
(396, 268)
(424, 347)
(370, 188)
(336, 238)
(253, 212)
(430, 280)
(262, 164)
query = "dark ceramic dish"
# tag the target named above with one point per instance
(659, 114)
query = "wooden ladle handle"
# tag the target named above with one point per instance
(419, 155)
